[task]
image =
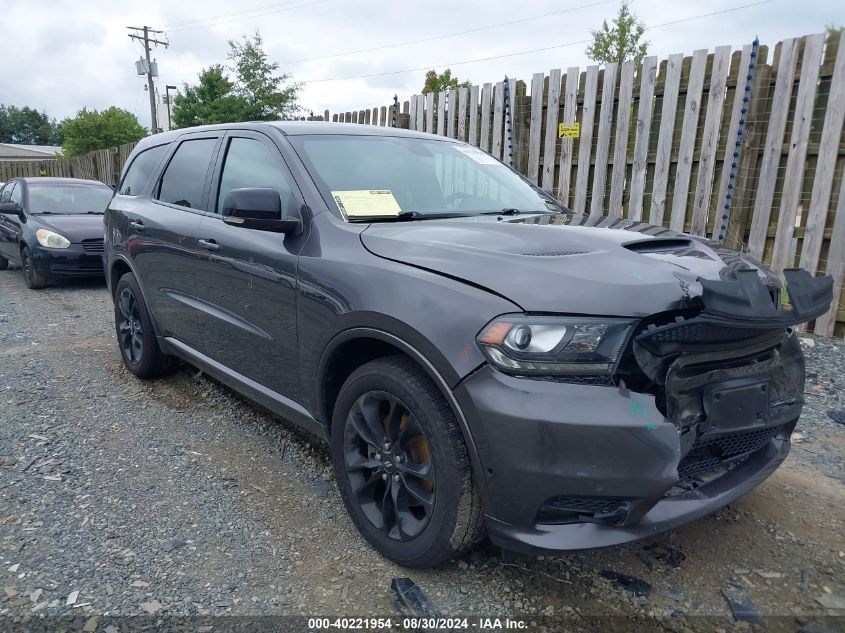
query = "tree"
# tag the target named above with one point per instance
(28, 126)
(213, 100)
(256, 94)
(265, 92)
(91, 130)
(619, 42)
(444, 81)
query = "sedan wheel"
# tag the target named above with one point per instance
(31, 277)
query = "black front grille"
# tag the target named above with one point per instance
(558, 509)
(713, 451)
(93, 246)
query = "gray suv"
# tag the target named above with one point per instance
(478, 361)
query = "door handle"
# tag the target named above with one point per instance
(137, 225)
(209, 245)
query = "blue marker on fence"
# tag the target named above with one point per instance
(740, 132)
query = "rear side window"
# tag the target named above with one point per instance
(6, 192)
(141, 170)
(184, 178)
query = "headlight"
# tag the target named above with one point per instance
(51, 239)
(520, 344)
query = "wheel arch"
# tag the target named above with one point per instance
(342, 356)
(119, 266)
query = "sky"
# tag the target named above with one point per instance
(62, 55)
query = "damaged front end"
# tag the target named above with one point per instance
(731, 376)
(700, 412)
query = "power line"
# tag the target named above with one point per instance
(446, 35)
(248, 17)
(227, 15)
(526, 52)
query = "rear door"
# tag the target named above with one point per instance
(163, 234)
(246, 279)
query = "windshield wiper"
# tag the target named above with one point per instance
(409, 216)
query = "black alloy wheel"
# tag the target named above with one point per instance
(402, 466)
(389, 464)
(135, 332)
(129, 327)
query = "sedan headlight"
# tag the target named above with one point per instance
(540, 345)
(51, 239)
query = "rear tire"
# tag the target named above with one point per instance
(4, 263)
(31, 277)
(135, 334)
(402, 466)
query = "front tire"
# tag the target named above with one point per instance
(31, 277)
(402, 466)
(135, 335)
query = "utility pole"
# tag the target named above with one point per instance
(145, 39)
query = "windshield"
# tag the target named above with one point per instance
(382, 176)
(68, 199)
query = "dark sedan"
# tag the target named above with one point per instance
(53, 228)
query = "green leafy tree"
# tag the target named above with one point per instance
(267, 94)
(212, 100)
(257, 92)
(620, 41)
(91, 130)
(444, 81)
(28, 126)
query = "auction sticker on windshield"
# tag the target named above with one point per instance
(366, 203)
(480, 157)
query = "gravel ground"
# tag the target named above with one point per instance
(176, 497)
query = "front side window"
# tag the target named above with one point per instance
(67, 199)
(184, 178)
(6, 192)
(423, 176)
(16, 194)
(141, 170)
(251, 164)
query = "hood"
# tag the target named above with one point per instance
(616, 268)
(74, 227)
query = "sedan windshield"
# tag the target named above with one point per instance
(68, 199)
(384, 177)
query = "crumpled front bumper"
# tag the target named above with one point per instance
(670, 512)
(541, 439)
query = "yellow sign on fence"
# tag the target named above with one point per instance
(569, 131)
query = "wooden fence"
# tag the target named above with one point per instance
(662, 146)
(103, 165)
(659, 142)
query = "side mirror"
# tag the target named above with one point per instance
(261, 210)
(11, 208)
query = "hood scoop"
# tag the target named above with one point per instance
(553, 253)
(658, 245)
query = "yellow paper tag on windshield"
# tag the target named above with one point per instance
(366, 203)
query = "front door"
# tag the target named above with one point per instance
(10, 224)
(246, 279)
